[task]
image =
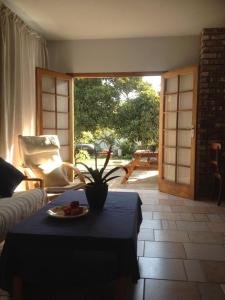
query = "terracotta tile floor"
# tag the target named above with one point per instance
(181, 250)
(185, 259)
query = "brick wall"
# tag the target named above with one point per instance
(211, 102)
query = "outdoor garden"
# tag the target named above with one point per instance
(122, 112)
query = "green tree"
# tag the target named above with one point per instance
(138, 118)
(128, 106)
(96, 103)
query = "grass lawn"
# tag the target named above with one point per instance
(113, 162)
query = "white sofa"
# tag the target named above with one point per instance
(18, 207)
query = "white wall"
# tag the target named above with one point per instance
(124, 55)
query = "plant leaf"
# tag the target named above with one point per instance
(110, 172)
(90, 170)
(107, 158)
(111, 178)
(88, 178)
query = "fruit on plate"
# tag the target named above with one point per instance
(72, 211)
(74, 203)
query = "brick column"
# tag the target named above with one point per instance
(211, 102)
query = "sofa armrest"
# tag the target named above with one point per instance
(39, 180)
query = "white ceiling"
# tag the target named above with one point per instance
(100, 19)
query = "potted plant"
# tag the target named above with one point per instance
(97, 189)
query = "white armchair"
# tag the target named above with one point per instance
(41, 158)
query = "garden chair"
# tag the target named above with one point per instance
(41, 158)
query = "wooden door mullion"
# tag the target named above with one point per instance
(56, 110)
(163, 133)
(177, 115)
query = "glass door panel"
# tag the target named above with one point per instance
(48, 131)
(171, 102)
(170, 120)
(48, 102)
(183, 175)
(169, 172)
(185, 100)
(49, 120)
(184, 119)
(170, 155)
(62, 87)
(184, 156)
(62, 104)
(172, 85)
(63, 137)
(64, 152)
(48, 84)
(62, 120)
(186, 82)
(184, 138)
(170, 138)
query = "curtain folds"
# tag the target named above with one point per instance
(21, 51)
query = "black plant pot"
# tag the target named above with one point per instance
(96, 195)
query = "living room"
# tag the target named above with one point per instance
(83, 38)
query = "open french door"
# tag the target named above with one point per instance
(178, 108)
(55, 109)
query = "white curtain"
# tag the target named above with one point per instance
(21, 51)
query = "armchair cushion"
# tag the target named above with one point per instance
(10, 177)
(41, 154)
(52, 175)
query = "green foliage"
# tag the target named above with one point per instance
(111, 109)
(97, 176)
(81, 155)
(106, 135)
(85, 137)
(127, 148)
(96, 103)
(138, 119)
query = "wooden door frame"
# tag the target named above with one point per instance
(116, 74)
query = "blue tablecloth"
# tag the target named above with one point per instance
(98, 247)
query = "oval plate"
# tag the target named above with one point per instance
(58, 212)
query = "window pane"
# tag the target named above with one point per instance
(185, 100)
(185, 119)
(184, 157)
(64, 153)
(186, 82)
(170, 155)
(184, 138)
(49, 131)
(169, 172)
(170, 102)
(48, 119)
(48, 84)
(62, 87)
(63, 137)
(62, 120)
(48, 102)
(172, 85)
(183, 175)
(170, 138)
(170, 120)
(62, 104)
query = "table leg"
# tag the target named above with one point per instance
(121, 292)
(130, 168)
(17, 289)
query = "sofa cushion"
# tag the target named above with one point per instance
(18, 207)
(10, 177)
